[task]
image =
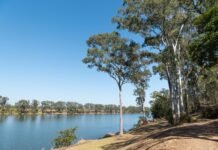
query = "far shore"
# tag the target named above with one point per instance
(61, 113)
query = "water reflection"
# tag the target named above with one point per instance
(3, 118)
(21, 117)
(37, 131)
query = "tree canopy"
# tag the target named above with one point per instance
(204, 48)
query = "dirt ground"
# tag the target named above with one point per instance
(202, 135)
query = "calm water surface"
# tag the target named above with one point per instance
(37, 132)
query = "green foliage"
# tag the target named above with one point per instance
(167, 29)
(113, 55)
(65, 138)
(162, 24)
(47, 106)
(112, 109)
(22, 106)
(73, 107)
(140, 80)
(161, 105)
(3, 102)
(204, 49)
(59, 106)
(210, 111)
(116, 56)
(99, 108)
(140, 93)
(34, 106)
(132, 109)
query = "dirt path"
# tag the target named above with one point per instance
(160, 136)
(194, 136)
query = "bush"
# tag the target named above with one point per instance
(141, 122)
(65, 138)
(160, 104)
(186, 119)
(210, 112)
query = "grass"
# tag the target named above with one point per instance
(98, 144)
(159, 135)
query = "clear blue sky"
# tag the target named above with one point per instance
(42, 43)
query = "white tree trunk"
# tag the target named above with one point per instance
(180, 79)
(175, 77)
(121, 113)
(181, 88)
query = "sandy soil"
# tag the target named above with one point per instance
(160, 136)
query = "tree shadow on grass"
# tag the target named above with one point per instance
(161, 133)
(201, 131)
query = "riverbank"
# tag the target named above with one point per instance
(58, 113)
(200, 135)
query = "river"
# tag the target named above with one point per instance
(36, 132)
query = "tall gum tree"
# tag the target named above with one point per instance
(163, 25)
(115, 56)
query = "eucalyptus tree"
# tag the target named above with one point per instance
(140, 80)
(71, 107)
(204, 48)
(99, 108)
(111, 54)
(89, 107)
(112, 109)
(160, 104)
(60, 106)
(22, 106)
(47, 106)
(34, 106)
(3, 102)
(139, 92)
(164, 25)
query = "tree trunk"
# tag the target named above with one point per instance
(121, 112)
(143, 110)
(181, 90)
(171, 95)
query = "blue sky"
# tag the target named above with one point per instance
(42, 43)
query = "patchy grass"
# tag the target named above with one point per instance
(98, 144)
(201, 135)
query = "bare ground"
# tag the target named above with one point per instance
(202, 135)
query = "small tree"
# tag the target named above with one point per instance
(160, 105)
(59, 106)
(22, 106)
(65, 138)
(3, 102)
(140, 80)
(115, 56)
(34, 106)
(71, 108)
(47, 106)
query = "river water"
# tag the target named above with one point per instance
(36, 132)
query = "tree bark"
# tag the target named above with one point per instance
(121, 111)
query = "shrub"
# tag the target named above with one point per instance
(210, 112)
(65, 138)
(141, 122)
(160, 104)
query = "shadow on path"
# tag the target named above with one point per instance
(152, 135)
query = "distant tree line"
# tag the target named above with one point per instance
(35, 106)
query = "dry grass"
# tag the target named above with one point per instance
(201, 135)
(98, 144)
